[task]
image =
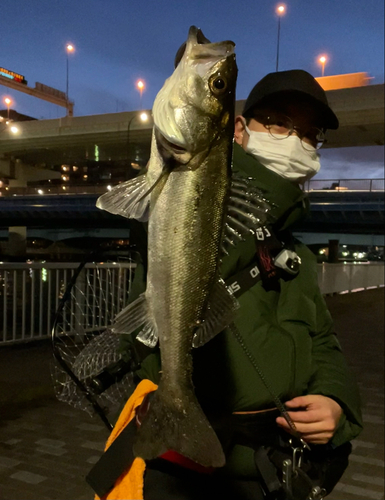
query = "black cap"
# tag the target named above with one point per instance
(295, 81)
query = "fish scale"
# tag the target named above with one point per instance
(184, 196)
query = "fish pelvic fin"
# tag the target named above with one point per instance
(175, 421)
(130, 199)
(132, 317)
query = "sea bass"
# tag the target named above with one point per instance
(185, 194)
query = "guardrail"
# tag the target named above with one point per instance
(350, 277)
(30, 294)
(363, 185)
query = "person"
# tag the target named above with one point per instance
(283, 346)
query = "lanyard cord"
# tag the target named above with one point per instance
(261, 375)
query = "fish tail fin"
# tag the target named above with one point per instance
(177, 422)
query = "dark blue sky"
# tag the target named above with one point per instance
(119, 41)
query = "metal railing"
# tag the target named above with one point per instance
(350, 277)
(30, 295)
(365, 185)
(53, 190)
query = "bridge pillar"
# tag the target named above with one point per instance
(17, 241)
(22, 173)
(333, 251)
(7, 167)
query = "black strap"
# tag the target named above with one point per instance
(114, 461)
(244, 280)
(267, 470)
(263, 268)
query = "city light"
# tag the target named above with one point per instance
(40, 191)
(322, 60)
(8, 102)
(143, 116)
(69, 49)
(14, 129)
(140, 85)
(280, 10)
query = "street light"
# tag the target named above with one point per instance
(8, 102)
(322, 60)
(280, 10)
(143, 117)
(140, 85)
(69, 49)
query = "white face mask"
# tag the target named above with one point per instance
(286, 157)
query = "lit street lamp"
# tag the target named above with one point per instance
(280, 11)
(322, 60)
(143, 117)
(8, 102)
(140, 85)
(69, 49)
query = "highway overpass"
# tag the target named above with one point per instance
(54, 142)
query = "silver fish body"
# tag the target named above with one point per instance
(188, 178)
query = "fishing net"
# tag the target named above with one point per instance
(89, 372)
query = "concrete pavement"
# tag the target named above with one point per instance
(47, 447)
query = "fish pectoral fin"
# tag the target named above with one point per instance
(220, 313)
(129, 199)
(149, 334)
(247, 211)
(132, 317)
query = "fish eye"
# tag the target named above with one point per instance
(218, 84)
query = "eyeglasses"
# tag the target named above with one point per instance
(281, 127)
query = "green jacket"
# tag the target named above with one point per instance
(289, 333)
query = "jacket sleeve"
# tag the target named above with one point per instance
(331, 374)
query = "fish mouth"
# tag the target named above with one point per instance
(169, 146)
(174, 147)
(195, 35)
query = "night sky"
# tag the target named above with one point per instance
(118, 42)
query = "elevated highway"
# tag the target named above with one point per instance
(360, 111)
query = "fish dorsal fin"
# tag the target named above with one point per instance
(132, 317)
(247, 211)
(129, 199)
(220, 313)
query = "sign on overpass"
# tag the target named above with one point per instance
(40, 91)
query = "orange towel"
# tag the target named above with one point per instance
(129, 486)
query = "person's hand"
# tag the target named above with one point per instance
(315, 417)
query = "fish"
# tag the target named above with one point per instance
(185, 196)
